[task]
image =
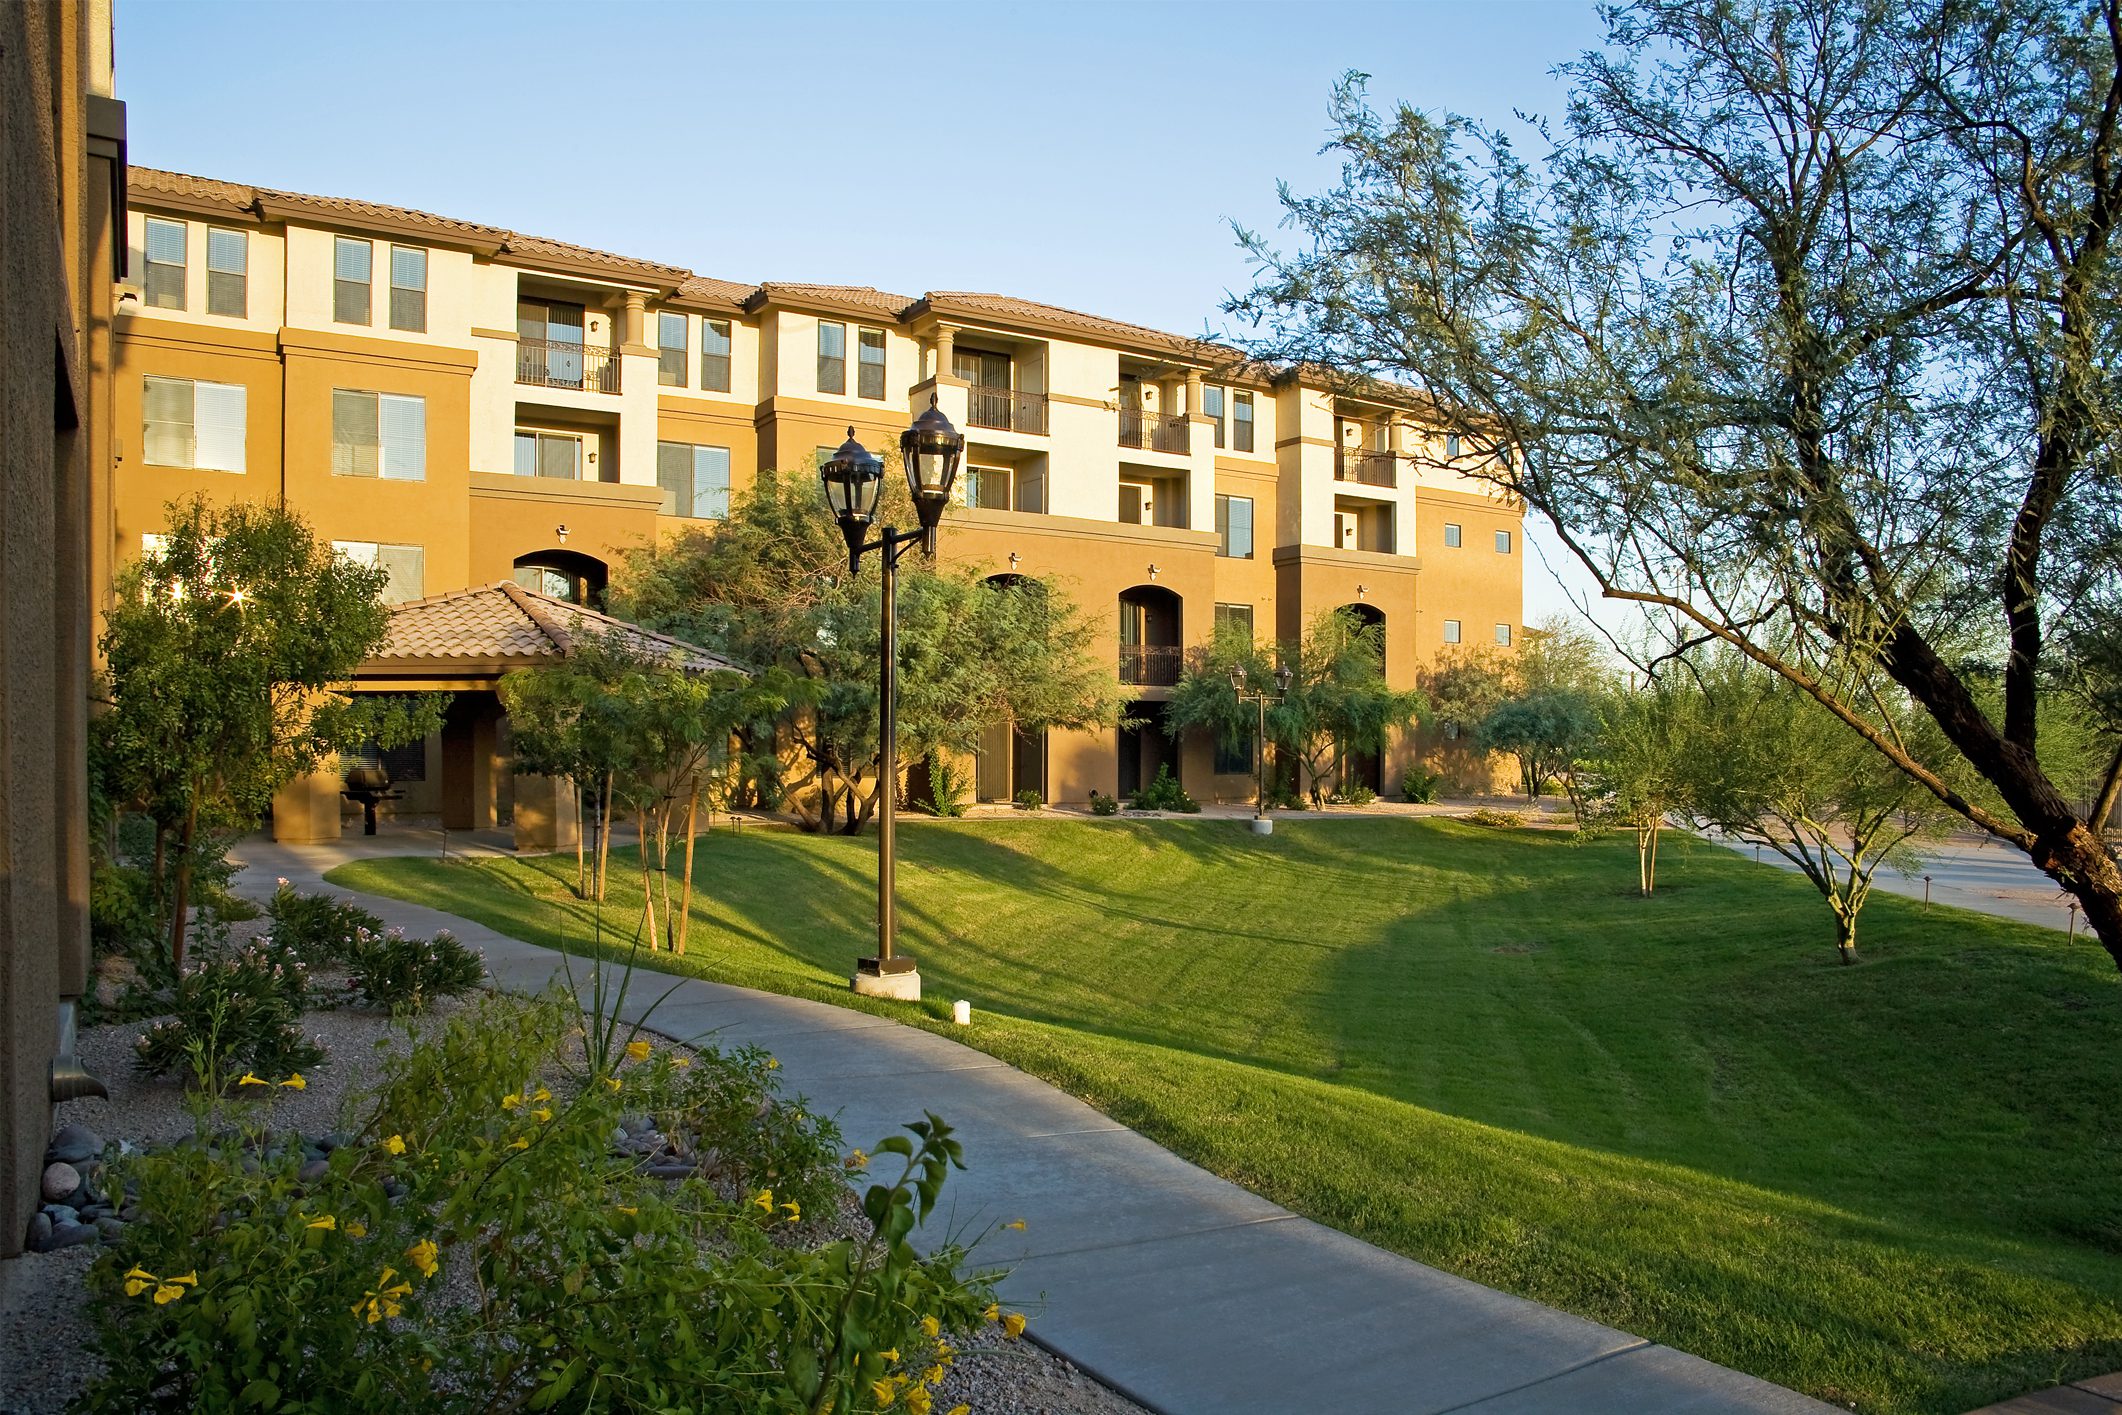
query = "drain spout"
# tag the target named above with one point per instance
(70, 1081)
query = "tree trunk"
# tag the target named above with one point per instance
(685, 894)
(604, 833)
(2080, 862)
(1645, 841)
(1846, 935)
(1650, 883)
(648, 886)
(581, 866)
(184, 888)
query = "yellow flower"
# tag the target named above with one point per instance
(355, 1228)
(944, 1354)
(296, 1083)
(138, 1281)
(382, 1300)
(246, 1079)
(885, 1391)
(932, 1376)
(917, 1401)
(166, 1294)
(628, 1209)
(422, 1256)
(541, 1115)
(993, 1313)
(519, 1143)
(395, 1144)
(765, 1200)
(773, 1063)
(890, 1353)
(1013, 1325)
(931, 1328)
(637, 1051)
(327, 1222)
(961, 1408)
(1017, 1224)
(857, 1160)
(681, 1062)
(611, 1081)
(542, 1095)
(795, 1211)
(511, 1100)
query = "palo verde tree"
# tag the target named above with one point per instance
(1803, 337)
(1550, 731)
(1338, 700)
(770, 586)
(1640, 775)
(1769, 766)
(221, 649)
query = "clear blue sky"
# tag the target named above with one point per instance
(1086, 154)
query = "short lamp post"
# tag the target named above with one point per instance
(1262, 825)
(854, 485)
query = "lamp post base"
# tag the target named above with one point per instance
(894, 978)
(1263, 825)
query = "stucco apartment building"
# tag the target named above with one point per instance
(62, 190)
(463, 404)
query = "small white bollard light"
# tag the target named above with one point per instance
(961, 1012)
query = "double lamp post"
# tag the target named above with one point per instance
(854, 485)
(1263, 824)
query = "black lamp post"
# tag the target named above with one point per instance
(1261, 824)
(854, 484)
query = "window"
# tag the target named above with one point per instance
(1234, 758)
(1212, 404)
(832, 357)
(989, 488)
(1240, 615)
(406, 565)
(1451, 445)
(548, 454)
(869, 365)
(379, 435)
(1451, 631)
(163, 287)
(350, 278)
(409, 289)
(1503, 634)
(190, 424)
(227, 272)
(695, 480)
(1234, 527)
(714, 355)
(671, 346)
(1241, 422)
(1502, 542)
(1451, 534)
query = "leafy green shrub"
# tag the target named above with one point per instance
(947, 786)
(406, 974)
(1357, 795)
(1284, 796)
(1029, 800)
(1495, 820)
(236, 1013)
(1103, 805)
(319, 928)
(1419, 785)
(121, 910)
(599, 1285)
(1164, 794)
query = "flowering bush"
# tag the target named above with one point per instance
(317, 927)
(236, 1012)
(1164, 794)
(599, 1285)
(387, 969)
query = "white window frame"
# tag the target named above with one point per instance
(370, 553)
(1503, 635)
(1453, 631)
(228, 438)
(421, 289)
(241, 274)
(368, 283)
(395, 461)
(182, 265)
(1453, 535)
(1503, 542)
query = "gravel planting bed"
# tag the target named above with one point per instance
(44, 1324)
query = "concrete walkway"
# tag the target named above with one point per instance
(1181, 1290)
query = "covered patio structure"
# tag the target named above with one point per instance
(463, 644)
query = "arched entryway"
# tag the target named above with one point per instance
(1364, 765)
(565, 574)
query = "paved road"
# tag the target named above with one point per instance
(1175, 1287)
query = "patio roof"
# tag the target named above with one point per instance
(471, 637)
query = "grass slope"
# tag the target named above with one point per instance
(1893, 1186)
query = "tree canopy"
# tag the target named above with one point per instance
(1803, 337)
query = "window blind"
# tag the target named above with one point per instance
(407, 567)
(356, 451)
(832, 357)
(403, 427)
(869, 369)
(409, 289)
(218, 426)
(714, 355)
(350, 279)
(166, 421)
(227, 270)
(163, 285)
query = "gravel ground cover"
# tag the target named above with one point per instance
(44, 1325)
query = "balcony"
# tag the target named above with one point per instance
(1364, 468)
(554, 363)
(1007, 409)
(1154, 431)
(1151, 665)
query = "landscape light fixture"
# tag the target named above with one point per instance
(853, 482)
(1283, 678)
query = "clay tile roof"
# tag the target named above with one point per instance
(883, 301)
(1010, 307)
(536, 247)
(505, 622)
(183, 184)
(706, 287)
(378, 211)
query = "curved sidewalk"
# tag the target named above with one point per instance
(1181, 1290)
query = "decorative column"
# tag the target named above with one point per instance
(633, 328)
(1193, 393)
(946, 343)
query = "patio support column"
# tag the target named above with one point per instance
(306, 810)
(546, 814)
(468, 762)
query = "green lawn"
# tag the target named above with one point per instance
(1894, 1186)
